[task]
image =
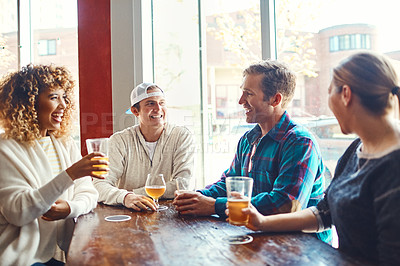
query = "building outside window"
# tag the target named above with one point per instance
(47, 47)
(349, 42)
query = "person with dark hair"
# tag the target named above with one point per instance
(282, 157)
(44, 183)
(363, 198)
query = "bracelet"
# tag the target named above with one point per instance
(319, 219)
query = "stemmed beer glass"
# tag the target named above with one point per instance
(155, 188)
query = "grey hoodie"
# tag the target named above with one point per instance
(130, 162)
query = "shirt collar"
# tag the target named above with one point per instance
(276, 133)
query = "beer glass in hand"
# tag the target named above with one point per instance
(155, 188)
(99, 145)
(239, 191)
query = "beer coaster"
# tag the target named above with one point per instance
(238, 240)
(117, 218)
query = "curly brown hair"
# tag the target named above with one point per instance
(19, 93)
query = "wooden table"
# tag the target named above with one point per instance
(167, 238)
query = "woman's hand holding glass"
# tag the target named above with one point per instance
(88, 165)
(99, 145)
(239, 191)
(256, 220)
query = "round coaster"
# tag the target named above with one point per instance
(238, 240)
(117, 218)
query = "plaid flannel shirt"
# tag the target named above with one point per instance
(286, 166)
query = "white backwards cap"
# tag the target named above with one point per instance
(139, 93)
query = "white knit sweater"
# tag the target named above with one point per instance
(130, 162)
(27, 191)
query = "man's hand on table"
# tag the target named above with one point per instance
(194, 203)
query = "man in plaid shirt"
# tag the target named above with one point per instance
(283, 158)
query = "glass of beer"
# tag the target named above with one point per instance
(239, 189)
(155, 188)
(98, 145)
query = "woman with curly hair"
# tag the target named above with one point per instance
(44, 184)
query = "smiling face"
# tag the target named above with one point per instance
(257, 109)
(152, 111)
(50, 108)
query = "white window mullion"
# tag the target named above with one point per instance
(268, 29)
(25, 34)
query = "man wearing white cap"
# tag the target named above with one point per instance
(153, 146)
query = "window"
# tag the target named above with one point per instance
(349, 42)
(207, 78)
(201, 48)
(333, 38)
(47, 47)
(8, 37)
(334, 43)
(54, 38)
(54, 33)
(48, 34)
(365, 41)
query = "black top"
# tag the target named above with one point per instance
(363, 202)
